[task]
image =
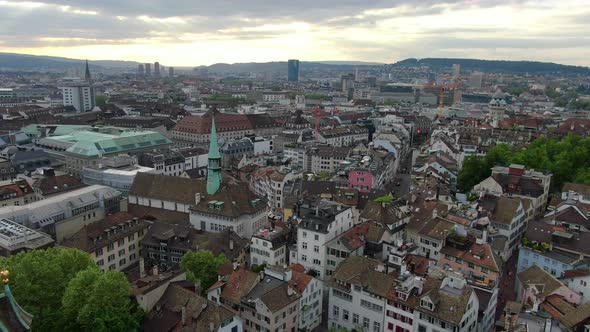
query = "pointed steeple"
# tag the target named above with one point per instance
(87, 74)
(214, 164)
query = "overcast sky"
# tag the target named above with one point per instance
(195, 32)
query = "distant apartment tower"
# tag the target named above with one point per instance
(171, 72)
(80, 95)
(140, 70)
(475, 80)
(157, 69)
(293, 70)
(456, 69)
(148, 69)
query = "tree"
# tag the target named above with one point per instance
(101, 101)
(470, 174)
(97, 301)
(567, 159)
(202, 266)
(39, 278)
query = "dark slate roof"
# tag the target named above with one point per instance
(518, 185)
(362, 271)
(236, 197)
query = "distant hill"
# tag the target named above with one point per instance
(531, 67)
(281, 66)
(26, 62)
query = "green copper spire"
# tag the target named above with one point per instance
(214, 165)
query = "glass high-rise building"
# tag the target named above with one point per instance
(293, 70)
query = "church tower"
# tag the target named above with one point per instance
(497, 108)
(87, 73)
(214, 164)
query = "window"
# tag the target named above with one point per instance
(376, 327)
(341, 295)
(100, 262)
(366, 323)
(122, 262)
(316, 237)
(304, 245)
(110, 246)
(316, 248)
(98, 252)
(131, 237)
(345, 315)
(336, 312)
(121, 242)
(304, 234)
(372, 306)
(131, 247)
(111, 257)
(316, 261)
(122, 252)
(355, 318)
(304, 258)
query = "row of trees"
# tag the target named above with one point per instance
(568, 159)
(64, 290)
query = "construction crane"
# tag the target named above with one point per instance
(447, 87)
(317, 123)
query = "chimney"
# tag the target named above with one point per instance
(234, 266)
(155, 270)
(317, 210)
(231, 244)
(183, 315)
(141, 267)
(211, 327)
(197, 198)
(290, 291)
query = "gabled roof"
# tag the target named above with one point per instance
(239, 284)
(543, 281)
(581, 189)
(449, 306)
(362, 271)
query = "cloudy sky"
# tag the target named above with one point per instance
(195, 32)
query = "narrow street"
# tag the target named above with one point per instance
(506, 292)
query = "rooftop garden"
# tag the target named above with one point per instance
(538, 246)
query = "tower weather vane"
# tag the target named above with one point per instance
(4, 276)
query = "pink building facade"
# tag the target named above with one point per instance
(360, 180)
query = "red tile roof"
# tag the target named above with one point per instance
(299, 279)
(575, 273)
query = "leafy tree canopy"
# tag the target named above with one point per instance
(39, 279)
(97, 301)
(202, 266)
(568, 159)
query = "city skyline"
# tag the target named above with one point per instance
(196, 33)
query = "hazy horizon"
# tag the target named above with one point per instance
(192, 33)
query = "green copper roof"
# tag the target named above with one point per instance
(91, 144)
(213, 166)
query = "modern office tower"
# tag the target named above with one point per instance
(171, 72)
(293, 70)
(148, 69)
(157, 69)
(140, 70)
